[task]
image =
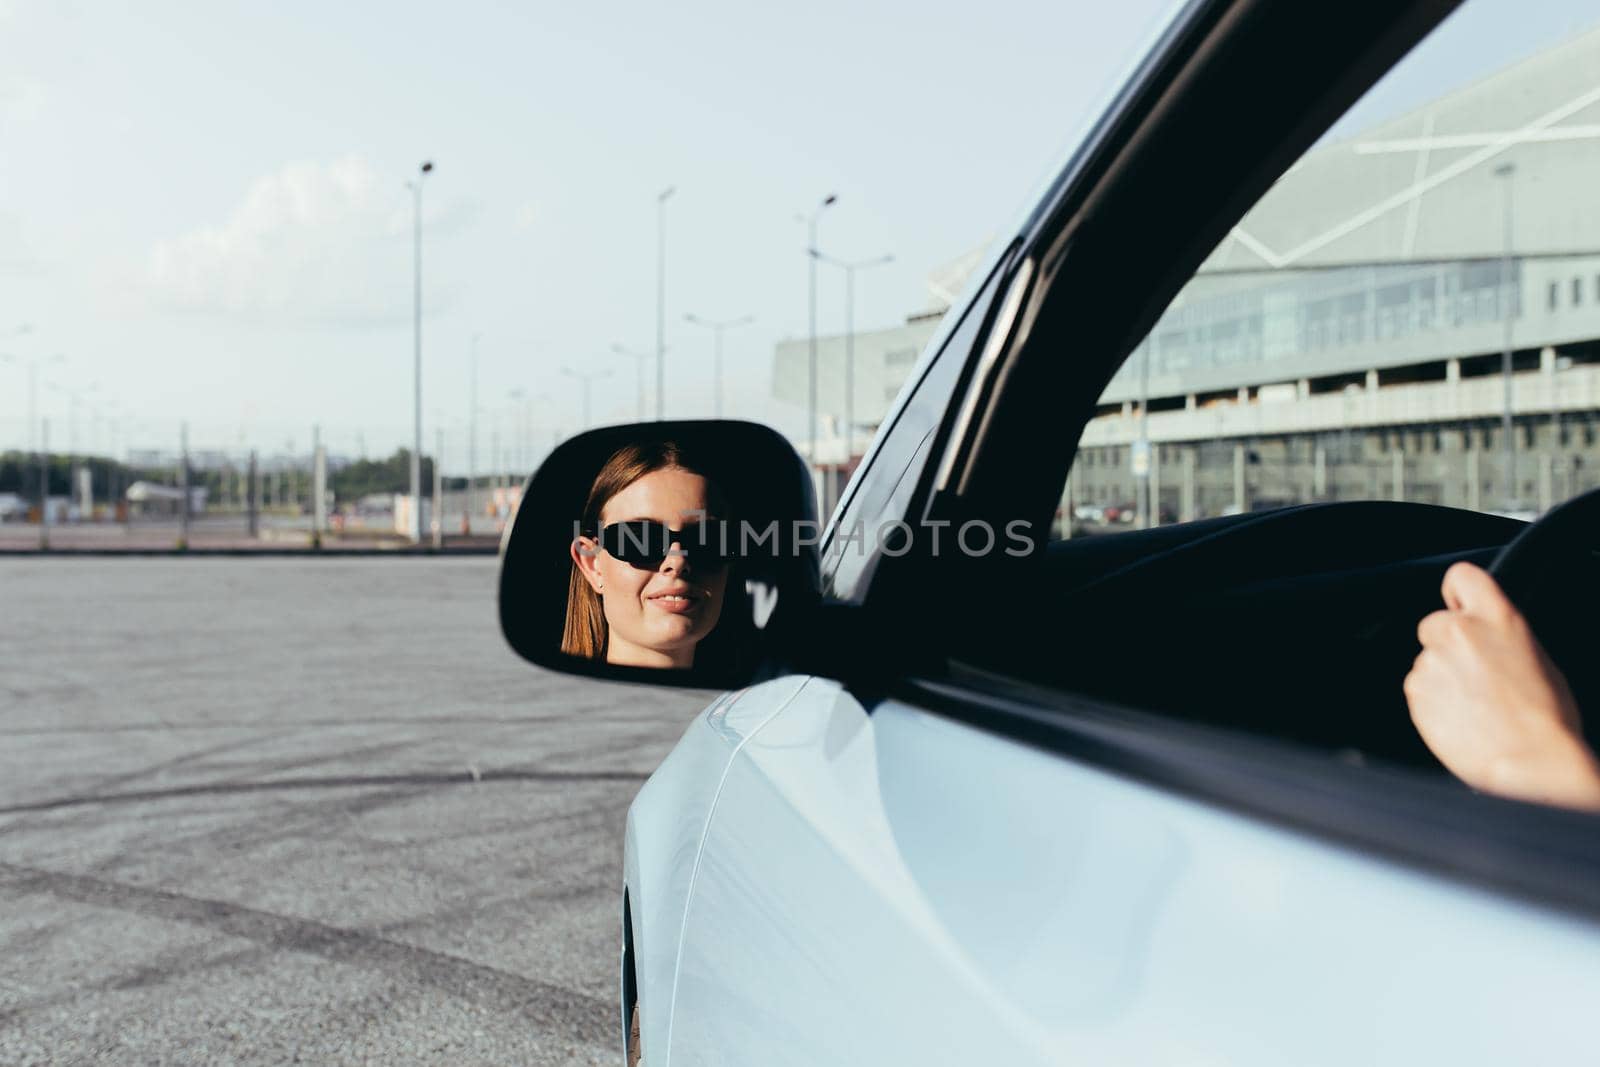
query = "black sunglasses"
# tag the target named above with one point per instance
(645, 543)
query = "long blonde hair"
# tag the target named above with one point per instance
(585, 632)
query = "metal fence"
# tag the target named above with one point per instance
(240, 497)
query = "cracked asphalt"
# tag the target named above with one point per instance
(267, 811)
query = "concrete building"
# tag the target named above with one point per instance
(1346, 341)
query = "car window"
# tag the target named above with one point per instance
(1408, 314)
(1379, 371)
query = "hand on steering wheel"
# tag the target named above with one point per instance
(1490, 704)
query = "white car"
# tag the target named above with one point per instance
(1152, 796)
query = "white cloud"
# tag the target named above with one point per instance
(309, 243)
(527, 216)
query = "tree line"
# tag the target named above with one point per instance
(109, 478)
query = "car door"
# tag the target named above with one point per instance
(700, 1029)
(899, 886)
(952, 864)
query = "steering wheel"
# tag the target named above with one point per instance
(1549, 572)
(1530, 559)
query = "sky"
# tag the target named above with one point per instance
(204, 212)
(204, 216)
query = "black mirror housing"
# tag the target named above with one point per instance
(772, 576)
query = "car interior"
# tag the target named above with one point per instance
(1297, 623)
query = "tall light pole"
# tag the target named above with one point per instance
(416, 337)
(850, 267)
(438, 487)
(811, 243)
(586, 377)
(33, 401)
(494, 457)
(1508, 445)
(717, 328)
(528, 436)
(639, 357)
(183, 485)
(472, 434)
(661, 299)
(517, 450)
(75, 395)
(116, 446)
(33, 364)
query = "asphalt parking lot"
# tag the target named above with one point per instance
(283, 810)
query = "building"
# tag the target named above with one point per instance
(1347, 339)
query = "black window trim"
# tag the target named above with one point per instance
(985, 292)
(967, 303)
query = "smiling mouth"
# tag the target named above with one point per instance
(677, 601)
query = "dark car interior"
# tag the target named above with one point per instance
(1298, 623)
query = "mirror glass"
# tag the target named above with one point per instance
(660, 552)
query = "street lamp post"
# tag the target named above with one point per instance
(75, 395)
(33, 389)
(850, 267)
(472, 436)
(183, 486)
(661, 299)
(517, 449)
(44, 484)
(811, 374)
(717, 328)
(586, 377)
(494, 456)
(438, 488)
(1508, 445)
(640, 358)
(33, 382)
(416, 337)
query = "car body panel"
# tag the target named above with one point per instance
(665, 829)
(902, 888)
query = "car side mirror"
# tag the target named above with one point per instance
(665, 553)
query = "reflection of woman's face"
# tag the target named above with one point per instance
(655, 617)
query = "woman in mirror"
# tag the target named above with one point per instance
(649, 566)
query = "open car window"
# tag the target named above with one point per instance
(1412, 313)
(1390, 363)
